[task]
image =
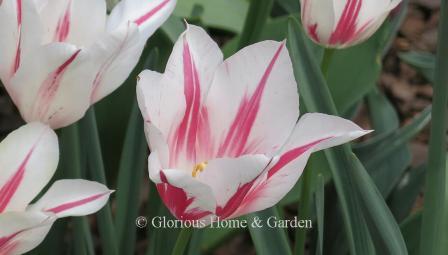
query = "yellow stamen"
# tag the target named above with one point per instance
(198, 168)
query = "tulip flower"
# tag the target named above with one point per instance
(57, 57)
(344, 23)
(28, 160)
(224, 135)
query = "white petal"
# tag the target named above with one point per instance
(157, 144)
(149, 15)
(28, 159)
(23, 231)
(53, 85)
(172, 101)
(74, 21)
(73, 198)
(185, 197)
(253, 103)
(318, 18)
(21, 32)
(344, 23)
(231, 179)
(115, 54)
(313, 132)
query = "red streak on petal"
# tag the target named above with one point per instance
(19, 12)
(7, 246)
(346, 28)
(16, 62)
(177, 201)
(186, 133)
(291, 155)
(50, 86)
(235, 201)
(63, 28)
(73, 204)
(312, 31)
(10, 187)
(151, 13)
(241, 126)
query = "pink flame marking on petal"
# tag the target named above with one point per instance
(253, 192)
(19, 12)
(291, 155)
(63, 28)
(235, 201)
(10, 187)
(177, 201)
(16, 62)
(151, 13)
(73, 204)
(312, 31)
(186, 132)
(49, 87)
(346, 27)
(241, 126)
(7, 246)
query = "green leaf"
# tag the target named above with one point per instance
(258, 14)
(132, 165)
(315, 95)
(319, 198)
(425, 62)
(213, 237)
(403, 197)
(91, 150)
(353, 72)
(162, 240)
(82, 238)
(383, 115)
(387, 156)
(222, 14)
(182, 241)
(434, 233)
(304, 208)
(411, 229)
(268, 240)
(131, 171)
(386, 231)
(289, 6)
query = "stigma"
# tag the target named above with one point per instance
(198, 168)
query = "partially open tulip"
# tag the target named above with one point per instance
(57, 57)
(224, 135)
(28, 160)
(344, 23)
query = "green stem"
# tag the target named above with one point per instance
(259, 12)
(328, 56)
(434, 233)
(182, 241)
(94, 161)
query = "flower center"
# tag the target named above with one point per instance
(199, 168)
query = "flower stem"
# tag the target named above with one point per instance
(328, 56)
(182, 241)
